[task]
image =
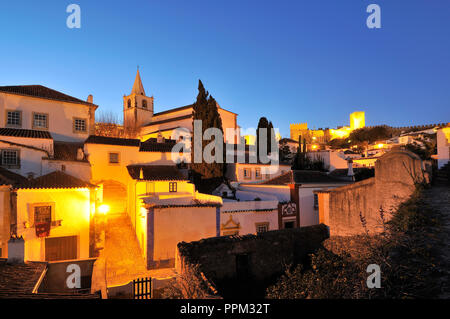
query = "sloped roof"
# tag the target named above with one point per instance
(283, 179)
(156, 172)
(8, 177)
(174, 110)
(55, 179)
(67, 151)
(173, 119)
(20, 132)
(16, 279)
(307, 176)
(41, 91)
(151, 145)
(138, 88)
(302, 177)
(95, 139)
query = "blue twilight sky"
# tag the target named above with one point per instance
(296, 61)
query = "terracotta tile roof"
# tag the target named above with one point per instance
(67, 151)
(12, 295)
(94, 139)
(151, 145)
(41, 91)
(19, 279)
(170, 120)
(20, 132)
(302, 177)
(8, 177)
(306, 176)
(174, 110)
(55, 179)
(283, 179)
(156, 172)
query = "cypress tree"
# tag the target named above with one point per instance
(205, 109)
(264, 123)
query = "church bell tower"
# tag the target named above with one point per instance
(137, 107)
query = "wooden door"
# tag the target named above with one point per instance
(61, 248)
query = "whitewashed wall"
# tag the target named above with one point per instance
(72, 207)
(248, 214)
(30, 159)
(443, 146)
(60, 114)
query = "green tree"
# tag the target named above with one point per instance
(301, 160)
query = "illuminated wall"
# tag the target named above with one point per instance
(443, 146)
(357, 120)
(71, 206)
(298, 129)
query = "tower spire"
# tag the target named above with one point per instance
(138, 88)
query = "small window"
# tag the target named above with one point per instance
(262, 228)
(144, 104)
(14, 118)
(113, 158)
(316, 201)
(10, 158)
(129, 103)
(40, 121)
(42, 214)
(172, 187)
(247, 173)
(289, 224)
(79, 125)
(258, 173)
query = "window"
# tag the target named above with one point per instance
(14, 118)
(144, 104)
(10, 158)
(289, 224)
(172, 187)
(316, 201)
(113, 158)
(42, 214)
(257, 173)
(40, 120)
(129, 103)
(262, 227)
(79, 125)
(247, 173)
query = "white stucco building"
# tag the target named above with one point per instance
(443, 146)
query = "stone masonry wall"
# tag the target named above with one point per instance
(268, 253)
(395, 175)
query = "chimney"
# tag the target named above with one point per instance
(350, 172)
(16, 250)
(160, 138)
(80, 154)
(90, 99)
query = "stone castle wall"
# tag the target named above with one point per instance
(344, 209)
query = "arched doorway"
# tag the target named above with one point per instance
(115, 195)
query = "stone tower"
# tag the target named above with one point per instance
(357, 120)
(137, 107)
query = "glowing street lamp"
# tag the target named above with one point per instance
(103, 209)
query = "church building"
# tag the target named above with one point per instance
(140, 118)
